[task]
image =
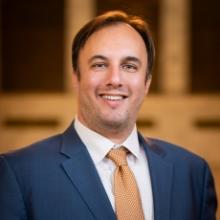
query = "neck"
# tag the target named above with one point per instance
(116, 134)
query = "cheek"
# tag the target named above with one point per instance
(88, 80)
(138, 85)
(90, 84)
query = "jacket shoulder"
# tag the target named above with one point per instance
(174, 152)
(35, 151)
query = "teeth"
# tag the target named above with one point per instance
(112, 98)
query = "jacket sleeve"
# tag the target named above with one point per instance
(11, 200)
(209, 204)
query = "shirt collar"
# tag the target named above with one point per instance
(98, 145)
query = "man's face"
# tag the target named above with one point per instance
(112, 85)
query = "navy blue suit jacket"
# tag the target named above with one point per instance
(55, 179)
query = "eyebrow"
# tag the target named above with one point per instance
(131, 58)
(101, 57)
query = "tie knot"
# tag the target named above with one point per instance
(118, 156)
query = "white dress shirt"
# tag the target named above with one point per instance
(98, 146)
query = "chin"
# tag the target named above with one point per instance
(115, 123)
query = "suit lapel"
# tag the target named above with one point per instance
(161, 173)
(80, 169)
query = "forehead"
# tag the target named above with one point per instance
(115, 39)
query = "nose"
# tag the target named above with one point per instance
(114, 77)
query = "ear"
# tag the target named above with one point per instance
(147, 84)
(75, 81)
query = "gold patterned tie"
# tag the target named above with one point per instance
(127, 198)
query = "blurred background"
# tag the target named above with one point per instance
(36, 95)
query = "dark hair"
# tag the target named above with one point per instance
(111, 18)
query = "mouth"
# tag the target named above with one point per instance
(113, 97)
(113, 100)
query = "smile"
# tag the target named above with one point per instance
(113, 97)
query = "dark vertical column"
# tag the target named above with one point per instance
(205, 46)
(32, 46)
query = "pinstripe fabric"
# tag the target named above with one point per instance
(127, 198)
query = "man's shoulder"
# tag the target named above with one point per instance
(34, 151)
(174, 152)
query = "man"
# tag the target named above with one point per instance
(76, 175)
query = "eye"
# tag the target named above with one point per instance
(131, 68)
(98, 66)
